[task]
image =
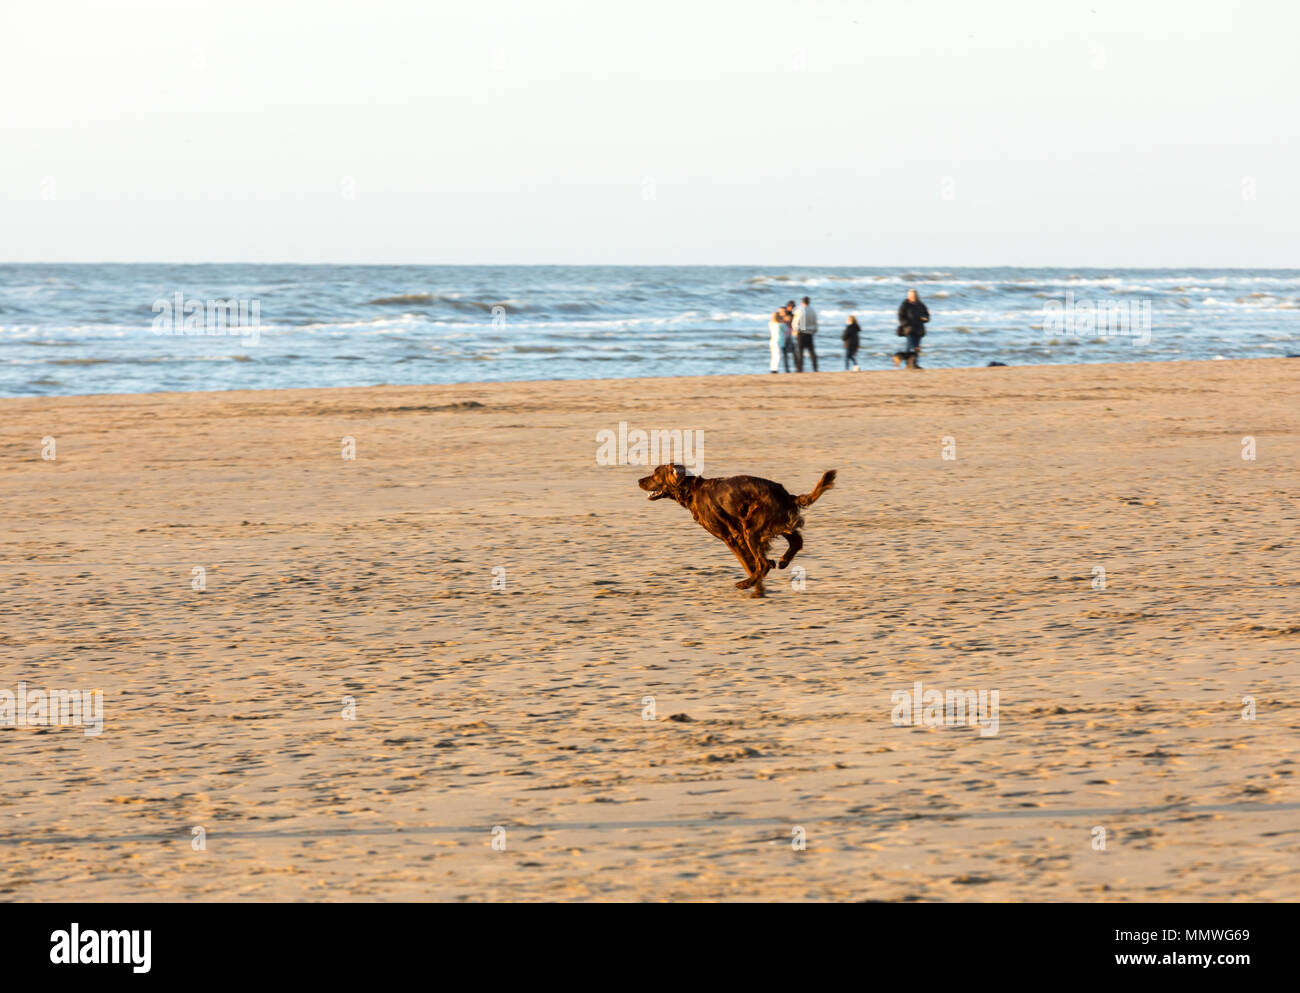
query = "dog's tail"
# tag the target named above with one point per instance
(823, 484)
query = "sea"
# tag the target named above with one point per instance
(82, 329)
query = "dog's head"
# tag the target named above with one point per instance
(665, 481)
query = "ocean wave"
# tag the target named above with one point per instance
(402, 298)
(1267, 301)
(458, 302)
(799, 282)
(134, 360)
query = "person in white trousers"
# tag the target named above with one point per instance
(777, 327)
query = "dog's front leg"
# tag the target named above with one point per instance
(739, 551)
(758, 552)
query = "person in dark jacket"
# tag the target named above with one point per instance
(913, 315)
(850, 339)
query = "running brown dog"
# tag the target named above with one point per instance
(745, 512)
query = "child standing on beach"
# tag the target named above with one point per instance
(850, 339)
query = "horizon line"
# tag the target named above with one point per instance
(655, 265)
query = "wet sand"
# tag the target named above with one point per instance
(525, 708)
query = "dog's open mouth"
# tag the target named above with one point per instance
(652, 486)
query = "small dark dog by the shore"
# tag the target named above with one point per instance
(745, 512)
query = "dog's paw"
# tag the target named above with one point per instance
(783, 563)
(757, 594)
(744, 584)
(771, 564)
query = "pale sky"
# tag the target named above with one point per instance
(1098, 133)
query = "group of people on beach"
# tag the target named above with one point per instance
(793, 328)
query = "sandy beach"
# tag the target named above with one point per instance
(346, 708)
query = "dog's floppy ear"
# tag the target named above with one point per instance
(678, 473)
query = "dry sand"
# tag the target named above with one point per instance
(1119, 708)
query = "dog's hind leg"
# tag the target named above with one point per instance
(796, 542)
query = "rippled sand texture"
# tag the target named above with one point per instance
(372, 579)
